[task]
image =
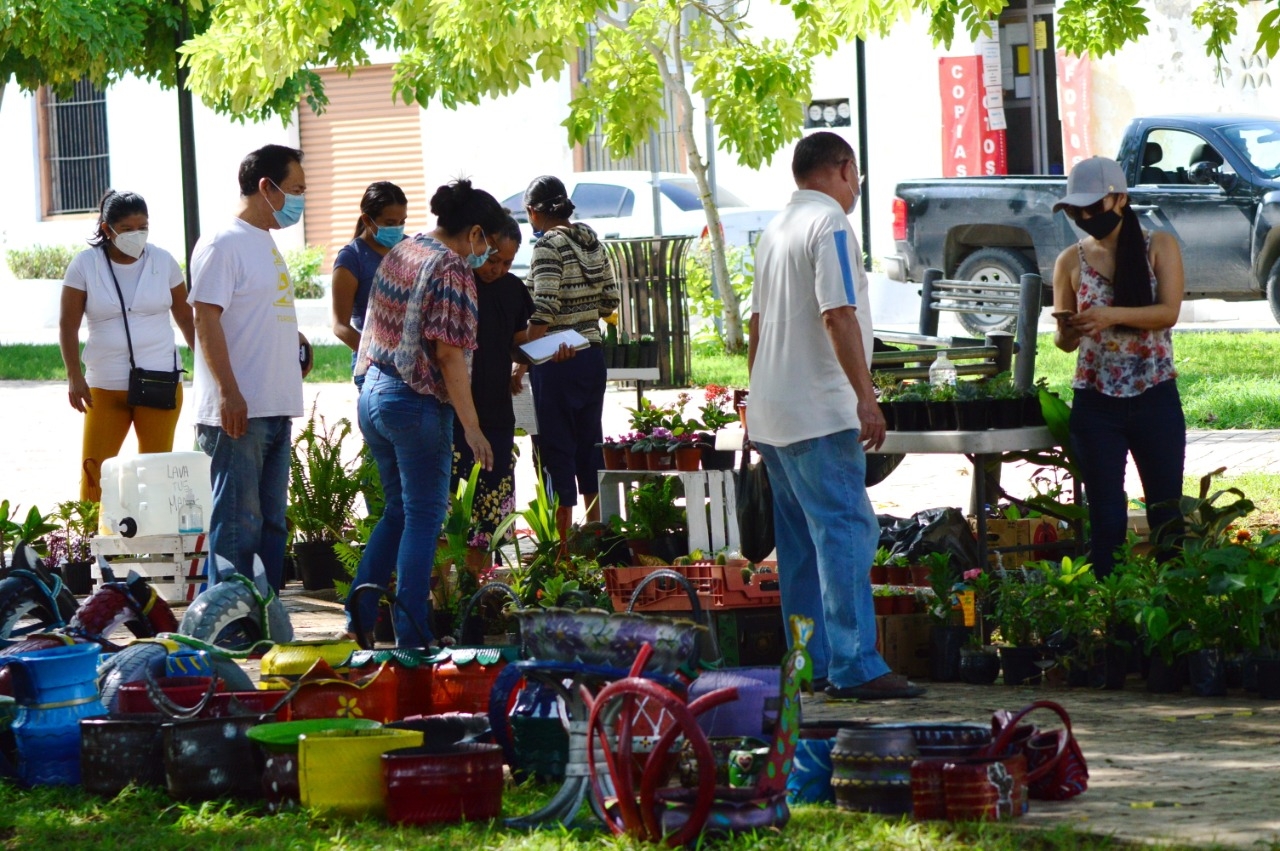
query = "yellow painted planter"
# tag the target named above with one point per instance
(340, 771)
(295, 658)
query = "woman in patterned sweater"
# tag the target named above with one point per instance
(573, 287)
(415, 351)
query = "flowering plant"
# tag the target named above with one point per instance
(714, 417)
(656, 440)
(681, 441)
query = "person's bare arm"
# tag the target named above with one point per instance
(453, 364)
(70, 315)
(845, 334)
(233, 410)
(343, 302)
(1066, 274)
(753, 334)
(181, 313)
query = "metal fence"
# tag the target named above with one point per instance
(651, 284)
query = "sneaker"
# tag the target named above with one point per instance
(887, 687)
(820, 684)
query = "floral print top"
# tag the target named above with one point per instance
(1117, 361)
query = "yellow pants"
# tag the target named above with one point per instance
(107, 423)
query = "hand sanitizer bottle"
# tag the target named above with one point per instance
(943, 371)
(191, 518)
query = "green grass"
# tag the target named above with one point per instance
(147, 819)
(1226, 380)
(1262, 488)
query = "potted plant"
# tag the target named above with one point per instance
(972, 406)
(1262, 570)
(32, 529)
(655, 447)
(614, 450)
(323, 488)
(654, 521)
(897, 572)
(909, 411)
(1006, 401)
(882, 600)
(948, 632)
(979, 664)
(687, 449)
(69, 548)
(1018, 603)
(879, 567)
(940, 405)
(714, 418)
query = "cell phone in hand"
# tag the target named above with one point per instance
(1063, 314)
(305, 355)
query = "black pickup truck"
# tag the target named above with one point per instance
(1211, 180)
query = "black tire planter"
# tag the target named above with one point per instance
(1019, 665)
(1207, 672)
(944, 652)
(979, 668)
(1268, 677)
(116, 750)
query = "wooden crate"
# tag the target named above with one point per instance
(173, 564)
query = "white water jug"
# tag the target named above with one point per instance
(145, 494)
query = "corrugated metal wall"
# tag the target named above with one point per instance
(363, 136)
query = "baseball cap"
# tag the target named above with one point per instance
(1091, 181)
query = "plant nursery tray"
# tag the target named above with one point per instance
(718, 586)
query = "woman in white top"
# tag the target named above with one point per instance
(152, 288)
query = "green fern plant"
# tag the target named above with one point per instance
(322, 486)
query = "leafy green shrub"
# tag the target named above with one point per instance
(41, 261)
(702, 301)
(304, 270)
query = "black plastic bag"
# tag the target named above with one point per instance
(755, 509)
(934, 530)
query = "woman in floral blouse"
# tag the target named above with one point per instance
(1116, 295)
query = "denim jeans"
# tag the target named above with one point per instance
(250, 492)
(1104, 429)
(826, 533)
(410, 436)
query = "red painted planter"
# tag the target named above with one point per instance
(427, 786)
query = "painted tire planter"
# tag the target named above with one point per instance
(597, 637)
(295, 658)
(340, 771)
(428, 786)
(991, 789)
(277, 748)
(116, 750)
(810, 779)
(413, 671)
(208, 758)
(462, 680)
(53, 689)
(322, 693)
(130, 665)
(192, 692)
(753, 713)
(871, 768)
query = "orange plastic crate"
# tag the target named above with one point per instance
(718, 586)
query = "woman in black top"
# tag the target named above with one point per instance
(505, 307)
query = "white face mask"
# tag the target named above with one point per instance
(131, 242)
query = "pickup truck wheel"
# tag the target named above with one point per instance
(997, 266)
(1273, 290)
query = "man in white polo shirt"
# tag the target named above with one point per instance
(812, 410)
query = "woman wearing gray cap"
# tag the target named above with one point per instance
(1116, 295)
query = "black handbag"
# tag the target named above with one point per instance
(148, 388)
(755, 509)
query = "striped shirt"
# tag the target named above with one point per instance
(422, 293)
(572, 281)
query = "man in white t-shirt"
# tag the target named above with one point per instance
(248, 378)
(811, 410)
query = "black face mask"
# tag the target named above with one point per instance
(1100, 225)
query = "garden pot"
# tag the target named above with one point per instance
(413, 671)
(648, 354)
(944, 652)
(942, 416)
(1019, 664)
(659, 459)
(920, 574)
(911, 416)
(610, 351)
(716, 459)
(429, 786)
(637, 459)
(1206, 671)
(811, 770)
(1234, 671)
(1109, 669)
(973, 414)
(883, 605)
(1006, 413)
(277, 748)
(979, 667)
(208, 758)
(340, 771)
(318, 565)
(293, 659)
(1032, 414)
(323, 693)
(631, 357)
(871, 768)
(897, 574)
(615, 457)
(463, 678)
(596, 637)
(54, 688)
(904, 604)
(185, 692)
(1268, 677)
(890, 416)
(538, 736)
(987, 789)
(670, 546)
(688, 458)
(116, 750)
(879, 574)
(1166, 677)
(76, 576)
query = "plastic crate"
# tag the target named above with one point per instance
(718, 586)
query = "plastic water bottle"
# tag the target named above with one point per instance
(191, 518)
(942, 371)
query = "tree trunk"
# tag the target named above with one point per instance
(734, 342)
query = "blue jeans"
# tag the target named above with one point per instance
(250, 492)
(826, 533)
(411, 438)
(1104, 429)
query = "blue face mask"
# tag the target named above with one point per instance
(475, 261)
(388, 235)
(291, 212)
(537, 234)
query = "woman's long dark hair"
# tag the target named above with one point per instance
(1131, 281)
(378, 197)
(114, 207)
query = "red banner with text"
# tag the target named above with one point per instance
(969, 146)
(1073, 106)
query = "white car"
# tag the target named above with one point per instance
(620, 204)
